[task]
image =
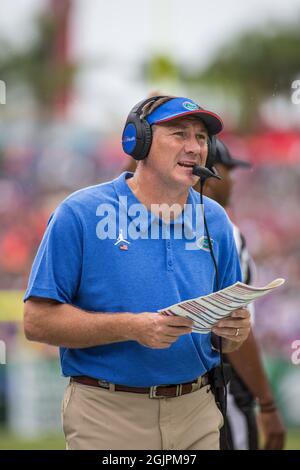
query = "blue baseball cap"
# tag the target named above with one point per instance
(180, 107)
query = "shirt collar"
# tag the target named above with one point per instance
(187, 218)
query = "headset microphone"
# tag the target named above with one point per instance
(205, 173)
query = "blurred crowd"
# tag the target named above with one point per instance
(266, 208)
(40, 166)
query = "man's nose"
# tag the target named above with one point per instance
(192, 145)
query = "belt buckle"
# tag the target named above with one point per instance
(154, 394)
(103, 384)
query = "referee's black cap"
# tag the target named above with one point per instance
(224, 157)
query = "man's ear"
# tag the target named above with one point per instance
(131, 166)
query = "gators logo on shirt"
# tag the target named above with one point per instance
(203, 243)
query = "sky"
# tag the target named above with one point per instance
(112, 38)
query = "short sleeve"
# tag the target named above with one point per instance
(229, 263)
(56, 270)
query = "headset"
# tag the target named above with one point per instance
(137, 134)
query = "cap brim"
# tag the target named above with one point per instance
(235, 163)
(212, 121)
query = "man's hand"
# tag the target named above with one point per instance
(159, 331)
(272, 429)
(235, 329)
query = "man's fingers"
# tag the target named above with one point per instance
(174, 332)
(230, 337)
(273, 442)
(240, 313)
(162, 346)
(230, 334)
(230, 331)
(160, 331)
(279, 445)
(178, 321)
(233, 324)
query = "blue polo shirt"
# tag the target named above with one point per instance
(130, 272)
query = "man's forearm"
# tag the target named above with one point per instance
(68, 326)
(247, 363)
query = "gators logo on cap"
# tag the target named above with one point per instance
(190, 106)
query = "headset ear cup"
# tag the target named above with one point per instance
(137, 133)
(147, 138)
(129, 140)
(137, 137)
(212, 151)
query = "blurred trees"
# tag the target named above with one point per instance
(254, 67)
(161, 67)
(245, 72)
(43, 67)
(162, 74)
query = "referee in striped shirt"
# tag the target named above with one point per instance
(249, 385)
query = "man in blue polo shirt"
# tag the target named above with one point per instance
(111, 257)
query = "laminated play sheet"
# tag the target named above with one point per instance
(206, 311)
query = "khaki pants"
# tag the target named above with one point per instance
(100, 419)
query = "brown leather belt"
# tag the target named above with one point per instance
(156, 391)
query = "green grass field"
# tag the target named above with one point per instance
(293, 440)
(11, 442)
(11, 308)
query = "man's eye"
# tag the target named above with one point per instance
(179, 133)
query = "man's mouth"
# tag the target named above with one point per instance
(187, 164)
